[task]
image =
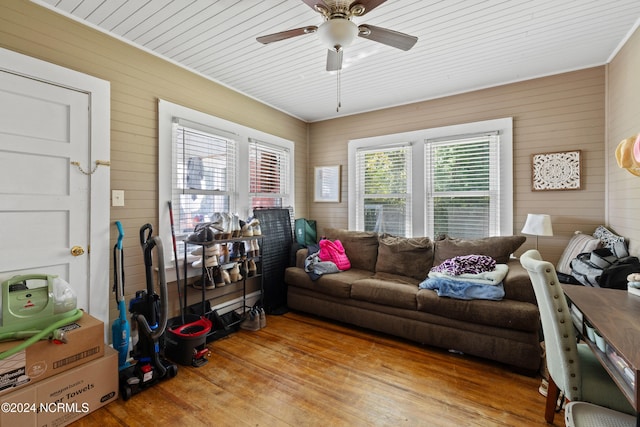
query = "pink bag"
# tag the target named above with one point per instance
(334, 252)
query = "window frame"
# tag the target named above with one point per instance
(360, 194)
(284, 161)
(241, 200)
(493, 192)
(419, 214)
(197, 131)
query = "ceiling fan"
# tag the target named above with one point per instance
(338, 31)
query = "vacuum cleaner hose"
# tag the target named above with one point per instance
(164, 298)
(41, 334)
(164, 302)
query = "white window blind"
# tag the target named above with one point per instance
(204, 175)
(383, 190)
(217, 180)
(463, 186)
(268, 175)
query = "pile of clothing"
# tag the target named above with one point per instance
(467, 277)
(326, 257)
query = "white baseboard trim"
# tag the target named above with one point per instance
(236, 303)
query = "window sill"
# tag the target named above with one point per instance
(170, 271)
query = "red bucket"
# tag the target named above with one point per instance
(185, 342)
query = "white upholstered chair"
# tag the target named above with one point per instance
(573, 368)
(583, 414)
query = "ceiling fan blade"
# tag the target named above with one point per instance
(318, 5)
(361, 7)
(389, 37)
(334, 60)
(270, 38)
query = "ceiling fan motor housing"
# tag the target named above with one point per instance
(337, 33)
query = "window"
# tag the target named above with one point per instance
(269, 177)
(455, 180)
(383, 190)
(208, 165)
(463, 192)
(203, 181)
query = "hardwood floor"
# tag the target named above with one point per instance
(304, 371)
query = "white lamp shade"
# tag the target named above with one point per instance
(337, 33)
(538, 225)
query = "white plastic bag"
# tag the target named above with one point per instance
(64, 298)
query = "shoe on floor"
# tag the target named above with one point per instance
(544, 387)
(251, 322)
(263, 317)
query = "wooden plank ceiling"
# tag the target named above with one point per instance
(462, 45)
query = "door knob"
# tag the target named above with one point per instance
(77, 250)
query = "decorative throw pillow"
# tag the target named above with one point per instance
(499, 248)
(615, 243)
(361, 246)
(578, 244)
(406, 256)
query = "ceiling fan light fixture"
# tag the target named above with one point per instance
(337, 33)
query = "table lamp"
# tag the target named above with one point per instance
(538, 225)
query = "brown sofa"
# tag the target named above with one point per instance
(380, 292)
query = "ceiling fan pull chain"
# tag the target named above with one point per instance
(338, 91)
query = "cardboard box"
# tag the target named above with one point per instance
(85, 342)
(78, 392)
(16, 408)
(64, 398)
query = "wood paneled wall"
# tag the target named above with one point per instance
(137, 80)
(556, 113)
(623, 121)
(561, 112)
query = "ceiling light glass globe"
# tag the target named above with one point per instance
(337, 33)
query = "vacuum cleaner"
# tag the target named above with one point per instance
(149, 312)
(35, 307)
(120, 331)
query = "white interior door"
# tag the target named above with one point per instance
(54, 216)
(44, 211)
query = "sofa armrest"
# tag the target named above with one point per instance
(517, 284)
(301, 255)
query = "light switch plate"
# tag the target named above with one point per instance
(117, 197)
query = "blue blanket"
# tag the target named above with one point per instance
(459, 289)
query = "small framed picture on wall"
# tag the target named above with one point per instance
(327, 184)
(556, 171)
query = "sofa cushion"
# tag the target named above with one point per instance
(578, 244)
(385, 292)
(361, 246)
(504, 314)
(497, 247)
(336, 284)
(407, 256)
(397, 278)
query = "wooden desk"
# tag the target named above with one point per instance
(615, 314)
